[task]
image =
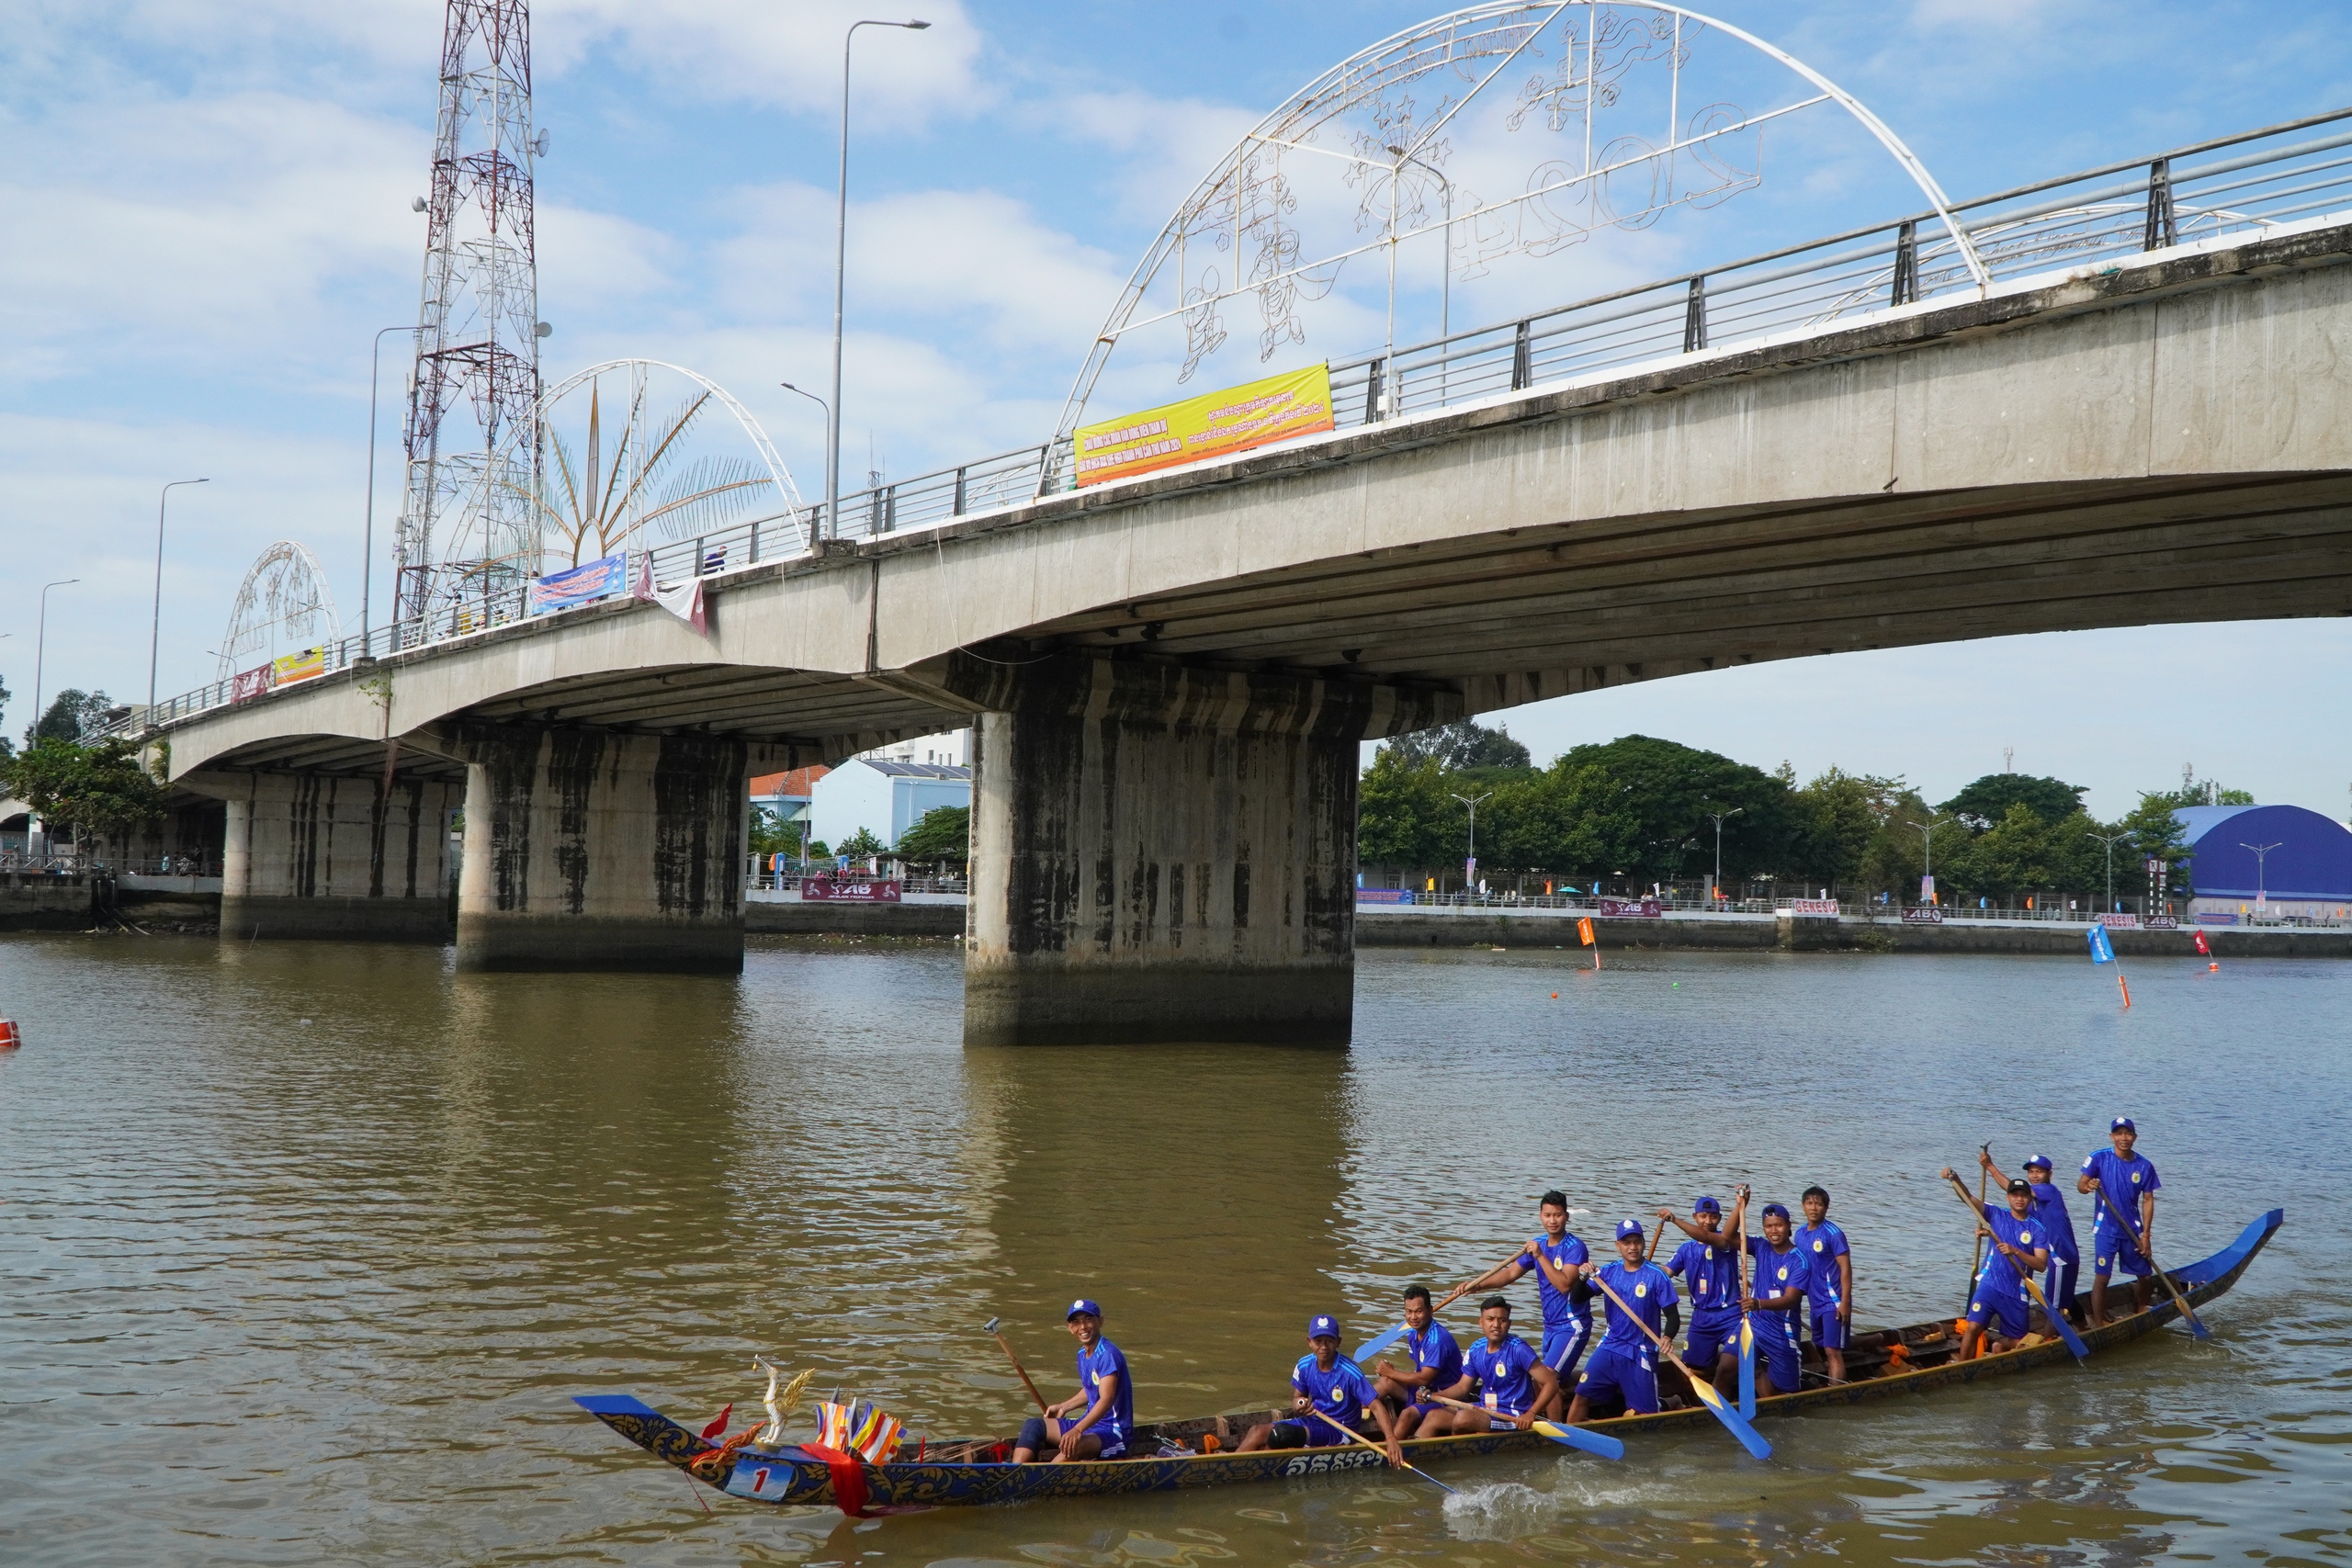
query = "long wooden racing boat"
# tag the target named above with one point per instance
(1879, 1365)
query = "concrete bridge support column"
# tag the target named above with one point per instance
(332, 857)
(1164, 854)
(599, 850)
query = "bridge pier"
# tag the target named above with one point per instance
(598, 850)
(1162, 855)
(331, 857)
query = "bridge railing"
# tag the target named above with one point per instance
(2255, 183)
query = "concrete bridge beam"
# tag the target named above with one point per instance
(1165, 854)
(332, 856)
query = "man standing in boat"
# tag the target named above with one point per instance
(1502, 1372)
(1436, 1362)
(2123, 1213)
(2057, 1224)
(1708, 1264)
(1775, 1299)
(1106, 1393)
(1624, 1371)
(1558, 1260)
(1327, 1390)
(1829, 1280)
(2020, 1247)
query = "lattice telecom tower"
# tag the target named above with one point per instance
(467, 529)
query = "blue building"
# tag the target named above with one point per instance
(2303, 869)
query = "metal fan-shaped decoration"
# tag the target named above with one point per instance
(285, 602)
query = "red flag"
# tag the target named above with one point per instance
(717, 1428)
(2201, 948)
(849, 1479)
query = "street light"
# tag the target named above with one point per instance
(155, 626)
(1470, 866)
(40, 641)
(2110, 844)
(827, 410)
(2261, 873)
(841, 262)
(368, 548)
(1928, 862)
(1719, 817)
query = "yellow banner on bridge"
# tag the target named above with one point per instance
(1296, 402)
(306, 665)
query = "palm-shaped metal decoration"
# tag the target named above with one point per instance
(605, 496)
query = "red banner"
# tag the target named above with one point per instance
(1639, 909)
(849, 890)
(251, 683)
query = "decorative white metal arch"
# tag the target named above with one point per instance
(284, 590)
(1246, 200)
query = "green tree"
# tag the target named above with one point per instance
(861, 845)
(774, 834)
(1401, 813)
(1896, 855)
(943, 837)
(1668, 791)
(1567, 819)
(87, 790)
(1465, 743)
(2025, 853)
(2157, 834)
(1987, 801)
(1834, 821)
(72, 713)
(7, 747)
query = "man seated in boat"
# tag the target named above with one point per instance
(1622, 1374)
(2123, 1210)
(1779, 1276)
(1708, 1264)
(1557, 1260)
(2057, 1225)
(1106, 1393)
(1437, 1364)
(2020, 1247)
(1502, 1371)
(1327, 1391)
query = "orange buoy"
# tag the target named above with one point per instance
(9, 1038)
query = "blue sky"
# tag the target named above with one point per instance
(210, 208)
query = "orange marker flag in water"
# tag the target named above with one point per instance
(1584, 931)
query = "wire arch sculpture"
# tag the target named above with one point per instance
(286, 592)
(1248, 204)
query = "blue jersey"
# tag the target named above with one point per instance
(2120, 1182)
(1504, 1385)
(1710, 1276)
(1436, 1347)
(1095, 1365)
(2049, 1208)
(1559, 1312)
(1341, 1393)
(1773, 1273)
(1645, 1287)
(1823, 1245)
(2026, 1236)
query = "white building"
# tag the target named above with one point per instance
(950, 748)
(885, 797)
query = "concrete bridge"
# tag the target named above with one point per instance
(1170, 677)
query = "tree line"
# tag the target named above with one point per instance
(1637, 810)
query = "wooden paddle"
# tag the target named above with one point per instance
(990, 1329)
(1355, 1436)
(1596, 1443)
(2187, 1311)
(1749, 1436)
(1374, 1346)
(1983, 1174)
(2057, 1319)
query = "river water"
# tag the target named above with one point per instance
(307, 1246)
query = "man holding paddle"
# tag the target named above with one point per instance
(1709, 1265)
(1503, 1371)
(1436, 1362)
(2124, 1215)
(2057, 1224)
(2020, 1249)
(1775, 1298)
(1331, 1396)
(1106, 1393)
(1622, 1370)
(1558, 1260)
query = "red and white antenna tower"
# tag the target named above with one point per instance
(467, 530)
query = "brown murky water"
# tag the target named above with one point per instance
(307, 1248)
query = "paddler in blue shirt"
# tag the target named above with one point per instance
(1327, 1390)
(2019, 1248)
(1106, 1393)
(1829, 1280)
(1708, 1264)
(1436, 1362)
(1558, 1260)
(1776, 1288)
(2123, 1210)
(1624, 1371)
(1503, 1371)
(2057, 1224)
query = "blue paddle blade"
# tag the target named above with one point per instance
(1596, 1443)
(1746, 1369)
(1374, 1346)
(1749, 1438)
(2074, 1340)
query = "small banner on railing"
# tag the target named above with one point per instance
(1923, 915)
(1384, 895)
(244, 686)
(1809, 907)
(1631, 909)
(306, 665)
(1298, 402)
(849, 890)
(581, 585)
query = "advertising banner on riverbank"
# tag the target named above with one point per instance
(1298, 402)
(581, 585)
(1384, 895)
(849, 890)
(1632, 908)
(1811, 906)
(1923, 915)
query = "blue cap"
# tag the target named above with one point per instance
(1706, 1205)
(2122, 1124)
(1772, 1209)
(1316, 1328)
(1082, 1306)
(2041, 1160)
(1629, 1227)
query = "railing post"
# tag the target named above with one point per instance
(1906, 286)
(957, 511)
(1044, 469)
(754, 558)
(699, 554)
(2163, 226)
(1695, 317)
(1522, 357)
(1374, 404)
(889, 509)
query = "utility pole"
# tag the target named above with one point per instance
(2261, 873)
(1470, 866)
(1717, 888)
(1927, 863)
(2110, 844)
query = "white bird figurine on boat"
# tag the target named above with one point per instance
(780, 1401)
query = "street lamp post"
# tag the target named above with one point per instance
(1470, 866)
(40, 641)
(1719, 816)
(1928, 860)
(2110, 844)
(827, 410)
(841, 261)
(2261, 873)
(155, 623)
(368, 547)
